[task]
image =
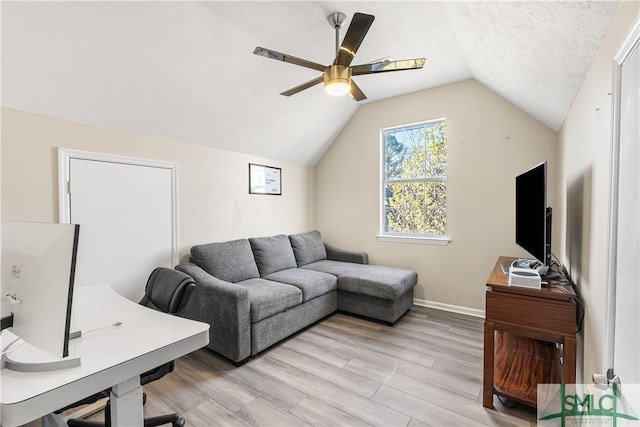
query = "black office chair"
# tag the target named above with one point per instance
(168, 291)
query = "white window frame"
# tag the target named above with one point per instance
(385, 236)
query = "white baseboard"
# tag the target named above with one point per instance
(449, 307)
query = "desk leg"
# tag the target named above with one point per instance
(569, 360)
(487, 381)
(126, 403)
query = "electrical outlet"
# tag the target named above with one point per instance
(15, 271)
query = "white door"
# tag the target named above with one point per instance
(126, 213)
(623, 356)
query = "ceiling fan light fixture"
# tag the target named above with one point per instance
(337, 76)
(337, 80)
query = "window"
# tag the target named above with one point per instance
(414, 181)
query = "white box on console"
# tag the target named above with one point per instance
(524, 278)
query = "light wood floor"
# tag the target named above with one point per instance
(343, 371)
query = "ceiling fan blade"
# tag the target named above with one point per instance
(303, 86)
(278, 56)
(386, 59)
(356, 93)
(383, 67)
(358, 28)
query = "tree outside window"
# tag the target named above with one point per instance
(414, 182)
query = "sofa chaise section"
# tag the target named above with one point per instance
(373, 291)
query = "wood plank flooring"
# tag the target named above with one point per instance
(426, 370)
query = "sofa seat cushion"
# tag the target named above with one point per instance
(308, 247)
(312, 283)
(373, 280)
(272, 254)
(229, 261)
(267, 298)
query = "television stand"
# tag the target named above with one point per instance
(529, 338)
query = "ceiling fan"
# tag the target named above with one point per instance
(337, 76)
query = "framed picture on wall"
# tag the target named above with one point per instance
(265, 180)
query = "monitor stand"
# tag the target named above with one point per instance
(18, 355)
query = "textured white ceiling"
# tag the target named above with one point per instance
(535, 54)
(185, 70)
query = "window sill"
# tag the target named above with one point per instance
(438, 241)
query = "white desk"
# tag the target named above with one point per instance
(111, 357)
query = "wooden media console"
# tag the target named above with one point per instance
(529, 338)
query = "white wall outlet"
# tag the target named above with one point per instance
(15, 271)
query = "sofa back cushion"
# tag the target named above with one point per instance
(272, 254)
(230, 261)
(308, 247)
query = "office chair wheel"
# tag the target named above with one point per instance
(180, 422)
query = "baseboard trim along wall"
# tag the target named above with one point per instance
(449, 307)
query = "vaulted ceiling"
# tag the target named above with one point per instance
(185, 70)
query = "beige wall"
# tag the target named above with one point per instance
(214, 203)
(584, 147)
(490, 141)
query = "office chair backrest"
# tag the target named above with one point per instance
(168, 290)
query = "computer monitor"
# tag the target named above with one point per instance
(38, 270)
(533, 217)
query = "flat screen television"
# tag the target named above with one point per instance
(533, 216)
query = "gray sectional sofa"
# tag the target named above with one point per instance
(255, 292)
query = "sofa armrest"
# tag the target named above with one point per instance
(336, 254)
(225, 307)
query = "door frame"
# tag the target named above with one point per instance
(630, 42)
(64, 201)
